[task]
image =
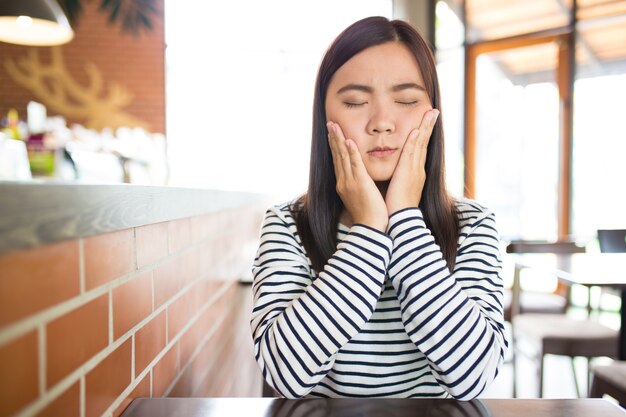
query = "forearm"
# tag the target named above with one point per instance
(298, 330)
(456, 321)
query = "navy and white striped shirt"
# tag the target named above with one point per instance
(385, 318)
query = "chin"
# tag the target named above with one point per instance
(380, 176)
(381, 171)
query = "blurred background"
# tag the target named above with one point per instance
(217, 95)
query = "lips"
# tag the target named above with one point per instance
(381, 152)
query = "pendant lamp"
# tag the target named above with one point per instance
(34, 23)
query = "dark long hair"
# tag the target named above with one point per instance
(317, 212)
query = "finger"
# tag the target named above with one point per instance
(423, 139)
(357, 167)
(426, 127)
(410, 147)
(429, 119)
(333, 150)
(341, 159)
(342, 150)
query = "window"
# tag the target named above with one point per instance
(449, 37)
(240, 79)
(599, 194)
(497, 19)
(520, 105)
(517, 135)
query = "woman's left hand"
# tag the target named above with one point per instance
(407, 183)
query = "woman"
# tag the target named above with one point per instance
(376, 283)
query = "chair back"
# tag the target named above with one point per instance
(612, 241)
(531, 246)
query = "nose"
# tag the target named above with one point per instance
(381, 121)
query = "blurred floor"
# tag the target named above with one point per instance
(247, 381)
(558, 377)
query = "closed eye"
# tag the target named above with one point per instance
(407, 103)
(352, 105)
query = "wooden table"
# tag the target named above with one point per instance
(279, 407)
(588, 269)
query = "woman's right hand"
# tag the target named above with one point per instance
(357, 190)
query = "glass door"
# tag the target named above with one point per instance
(512, 135)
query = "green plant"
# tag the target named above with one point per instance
(133, 15)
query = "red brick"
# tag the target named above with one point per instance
(107, 257)
(132, 302)
(34, 279)
(142, 390)
(149, 341)
(166, 282)
(151, 243)
(164, 372)
(106, 382)
(191, 338)
(179, 234)
(189, 266)
(18, 373)
(180, 312)
(184, 385)
(67, 404)
(74, 338)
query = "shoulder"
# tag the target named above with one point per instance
(477, 230)
(283, 212)
(281, 218)
(470, 213)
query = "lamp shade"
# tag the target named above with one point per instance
(34, 22)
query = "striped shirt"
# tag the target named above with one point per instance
(385, 318)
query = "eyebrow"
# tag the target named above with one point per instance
(368, 89)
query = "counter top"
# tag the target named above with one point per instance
(344, 407)
(35, 213)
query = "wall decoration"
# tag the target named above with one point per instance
(97, 105)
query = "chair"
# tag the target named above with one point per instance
(610, 380)
(537, 302)
(612, 241)
(536, 334)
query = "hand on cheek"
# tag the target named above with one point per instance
(407, 183)
(357, 190)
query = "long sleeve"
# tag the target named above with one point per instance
(299, 321)
(455, 319)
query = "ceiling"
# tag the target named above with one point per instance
(601, 35)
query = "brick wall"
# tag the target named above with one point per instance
(135, 63)
(87, 325)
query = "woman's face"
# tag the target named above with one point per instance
(377, 97)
